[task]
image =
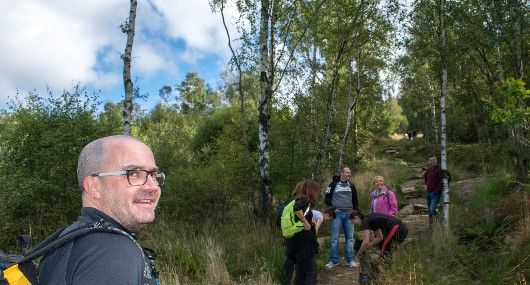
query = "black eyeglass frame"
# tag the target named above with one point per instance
(159, 177)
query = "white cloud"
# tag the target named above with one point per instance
(196, 24)
(57, 42)
(53, 42)
(147, 60)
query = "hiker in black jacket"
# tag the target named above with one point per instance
(303, 246)
(120, 186)
(342, 195)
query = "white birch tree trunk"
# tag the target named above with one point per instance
(443, 141)
(128, 28)
(265, 197)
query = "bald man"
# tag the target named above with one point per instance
(120, 186)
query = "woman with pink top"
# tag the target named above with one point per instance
(382, 200)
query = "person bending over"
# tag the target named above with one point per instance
(388, 231)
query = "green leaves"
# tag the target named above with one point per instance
(514, 104)
(40, 141)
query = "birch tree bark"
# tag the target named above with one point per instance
(264, 115)
(443, 134)
(128, 28)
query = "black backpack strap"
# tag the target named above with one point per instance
(56, 241)
(47, 241)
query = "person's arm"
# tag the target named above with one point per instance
(366, 237)
(329, 193)
(371, 208)
(354, 200)
(365, 244)
(392, 203)
(318, 218)
(318, 223)
(301, 217)
(378, 238)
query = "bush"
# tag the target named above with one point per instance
(39, 146)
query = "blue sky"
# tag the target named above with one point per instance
(61, 42)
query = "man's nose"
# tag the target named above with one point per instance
(151, 180)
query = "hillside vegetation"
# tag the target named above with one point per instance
(207, 231)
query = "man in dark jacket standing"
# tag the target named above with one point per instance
(433, 178)
(120, 186)
(342, 195)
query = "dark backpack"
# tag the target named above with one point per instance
(279, 210)
(21, 270)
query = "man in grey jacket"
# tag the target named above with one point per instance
(120, 185)
(342, 195)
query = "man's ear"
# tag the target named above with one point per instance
(91, 186)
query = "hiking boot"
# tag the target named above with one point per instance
(352, 264)
(331, 264)
(364, 277)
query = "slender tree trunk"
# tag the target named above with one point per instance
(128, 28)
(443, 142)
(354, 114)
(243, 129)
(434, 138)
(520, 62)
(500, 69)
(324, 149)
(313, 113)
(355, 140)
(352, 99)
(522, 128)
(264, 115)
(235, 57)
(347, 126)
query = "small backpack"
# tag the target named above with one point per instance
(21, 270)
(279, 210)
(288, 221)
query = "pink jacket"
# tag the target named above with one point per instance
(381, 202)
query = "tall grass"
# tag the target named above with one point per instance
(218, 254)
(489, 243)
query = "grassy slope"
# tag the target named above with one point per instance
(489, 241)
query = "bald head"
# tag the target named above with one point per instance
(94, 155)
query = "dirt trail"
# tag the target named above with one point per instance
(413, 210)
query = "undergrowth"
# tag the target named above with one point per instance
(489, 243)
(489, 240)
(222, 253)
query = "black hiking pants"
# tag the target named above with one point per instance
(306, 272)
(287, 271)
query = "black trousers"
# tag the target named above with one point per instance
(287, 271)
(306, 272)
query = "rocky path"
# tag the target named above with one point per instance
(413, 211)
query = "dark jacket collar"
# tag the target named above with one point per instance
(91, 215)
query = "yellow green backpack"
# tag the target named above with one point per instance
(288, 222)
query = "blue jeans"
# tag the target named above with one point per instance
(432, 202)
(342, 219)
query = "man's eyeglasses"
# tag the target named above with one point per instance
(136, 177)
